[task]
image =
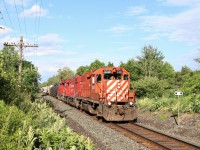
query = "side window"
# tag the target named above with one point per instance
(98, 77)
(125, 77)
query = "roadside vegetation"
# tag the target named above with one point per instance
(26, 121)
(154, 81)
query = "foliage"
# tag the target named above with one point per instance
(96, 64)
(63, 74)
(150, 61)
(30, 77)
(8, 74)
(40, 128)
(110, 64)
(11, 88)
(82, 69)
(150, 87)
(189, 104)
(191, 83)
(132, 67)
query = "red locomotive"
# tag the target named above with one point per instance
(104, 92)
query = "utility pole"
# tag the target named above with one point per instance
(21, 46)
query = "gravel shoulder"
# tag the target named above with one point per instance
(103, 137)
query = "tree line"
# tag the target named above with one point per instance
(150, 75)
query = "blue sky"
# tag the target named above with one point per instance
(75, 33)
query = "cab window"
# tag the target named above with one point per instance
(125, 77)
(107, 76)
(98, 78)
(112, 76)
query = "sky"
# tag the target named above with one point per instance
(75, 33)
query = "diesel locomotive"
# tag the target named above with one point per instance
(104, 92)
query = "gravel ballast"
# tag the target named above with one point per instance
(102, 136)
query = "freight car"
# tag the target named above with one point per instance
(104, 92)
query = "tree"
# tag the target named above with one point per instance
(150, 61)
(52, 81)
(96, 65)
(150, 87)
(30, 77)
(11, 90)
(65, 73)
(132, 67)
(110, 64)
(8, 74)
(197, 60)
(82, 69)
(166, 72)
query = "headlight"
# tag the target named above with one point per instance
(131, 103)
(109, 103)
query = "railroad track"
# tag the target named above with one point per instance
(152, 139)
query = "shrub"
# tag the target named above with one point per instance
(40, 127)
(189, 104)
(150, 87)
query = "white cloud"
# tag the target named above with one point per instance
(51, 39)
(8, 39)
(119, 29)
(46, 51)
(49, 45)
(5, 30)
(132, 11)
(35, 9)
(184, 26)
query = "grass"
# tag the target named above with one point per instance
(188, 104)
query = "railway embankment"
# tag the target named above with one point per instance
(188, 128)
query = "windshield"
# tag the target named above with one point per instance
(112, 76)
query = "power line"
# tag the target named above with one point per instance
(3, 18)
(9, 17)
(36, 20)
(39, 20)
(24, 18)
(18, 18)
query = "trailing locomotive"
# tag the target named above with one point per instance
(104, 92)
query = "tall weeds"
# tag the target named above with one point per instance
(39, 128)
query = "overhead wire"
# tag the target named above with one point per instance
(9, 18)
(39, 21)
(36, 11)
(24, 19)
(3, 18)
(18, 18)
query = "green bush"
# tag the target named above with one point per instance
(189, 104)
(150, 87)
(40, 127)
